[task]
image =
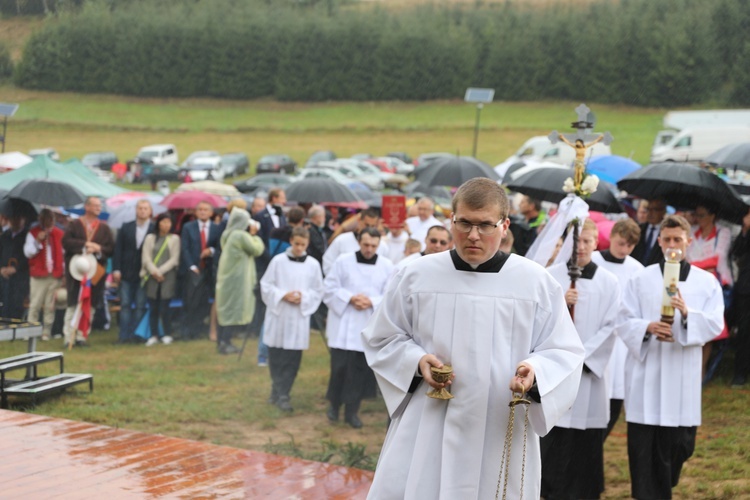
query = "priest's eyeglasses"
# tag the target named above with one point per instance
(464, 226)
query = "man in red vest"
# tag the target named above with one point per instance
(43, 248)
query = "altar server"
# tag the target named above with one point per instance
(663, 372)
(353, 289)
(292, 289)
(617, 260)
(501, 321)
(572, 452)
(349, 242)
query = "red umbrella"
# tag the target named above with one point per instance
(189, 199)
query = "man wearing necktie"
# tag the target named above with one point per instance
(200, 248)
(647, 250)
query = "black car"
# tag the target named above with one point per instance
(263, 182)
(320, 156)
(148, 172)
(401, 156)
(235, 164)
(276, 164)
(101, 159)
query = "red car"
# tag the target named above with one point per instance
(383, 164)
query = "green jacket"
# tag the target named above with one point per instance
(235, 278)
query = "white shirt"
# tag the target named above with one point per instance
(141, 230)
(418, 227)
(396, 245)
(346, 243)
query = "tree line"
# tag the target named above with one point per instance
(634, 52)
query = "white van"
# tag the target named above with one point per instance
(693, 144)
(541, 149)
(159, 154)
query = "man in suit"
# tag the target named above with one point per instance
(647, 250)
(318, 237)
(200, 249)
(126, 266)
(270, 218)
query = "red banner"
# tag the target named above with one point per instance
(394, 211)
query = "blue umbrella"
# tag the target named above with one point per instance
(611, 168)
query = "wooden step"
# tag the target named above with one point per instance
(34, 388)
(29, 359)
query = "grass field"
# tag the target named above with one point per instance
(75, 124)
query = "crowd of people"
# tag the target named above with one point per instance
(396, 302)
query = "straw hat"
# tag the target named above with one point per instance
(82, 264)
(61, 298)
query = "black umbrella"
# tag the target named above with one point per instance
(685, 186)
(731, 157)
(454, 171)
(11, 207)
(417, 190)
(47, 192)
(320, 191)
(546, 183)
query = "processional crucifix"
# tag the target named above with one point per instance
(581, 141)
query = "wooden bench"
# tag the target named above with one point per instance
(29, 361)
(34, 388)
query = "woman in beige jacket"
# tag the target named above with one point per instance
(160, 257)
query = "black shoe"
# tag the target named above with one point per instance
(354, 421)
(272, 400)
(81, 343)
(228, 349)
(739, 381)
(333, 413)
(284, 405)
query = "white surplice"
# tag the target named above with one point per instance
(346, 279)
(484, 324)
(286, 325)
(595, 319)
(346, 243)
(629, 268)
(418, 227)
(663, 379)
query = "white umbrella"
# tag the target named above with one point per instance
(126, 212)
(14, 160)
(210, 187)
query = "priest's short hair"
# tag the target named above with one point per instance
(372, 231)
(479, 193)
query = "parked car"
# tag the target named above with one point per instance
(320, 156)
(401, 156)
(149, 171)
(397, 165)
(382, 164)
(206, 168)
(324, 173)
(45, 152)
(195, 155)
(263, 182)
(361, 156)
(159, 154)
(350, 169)
(695, 143)
(101, 159)
(276, 164)
(235, 164)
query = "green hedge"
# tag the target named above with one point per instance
(636, 52)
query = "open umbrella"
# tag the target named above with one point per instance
(731, 157)
(211, 187)
(454, 171)
(546, 184)
(125, 212)
(320, 191)
(47, 191)
(685, 186)
(611, 168)
(190, 199)
(118, 199)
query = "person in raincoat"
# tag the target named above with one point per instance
(235, 278)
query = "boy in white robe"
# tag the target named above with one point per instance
(292, 289)
(349, 242)
(572, 452)
(501, 321)
(353, 289)
(663, 372)
(622, 240)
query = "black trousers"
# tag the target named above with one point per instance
(615, 407)
(283, 365)
(159, 310)
(226, 332)
(195, 305)
(572, 463)
(656, 455)
(351, 378)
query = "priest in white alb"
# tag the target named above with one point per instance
(500, 320)
(423, 221)
(663, 371)
(572, 453)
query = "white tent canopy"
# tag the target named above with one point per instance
(14, 160)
